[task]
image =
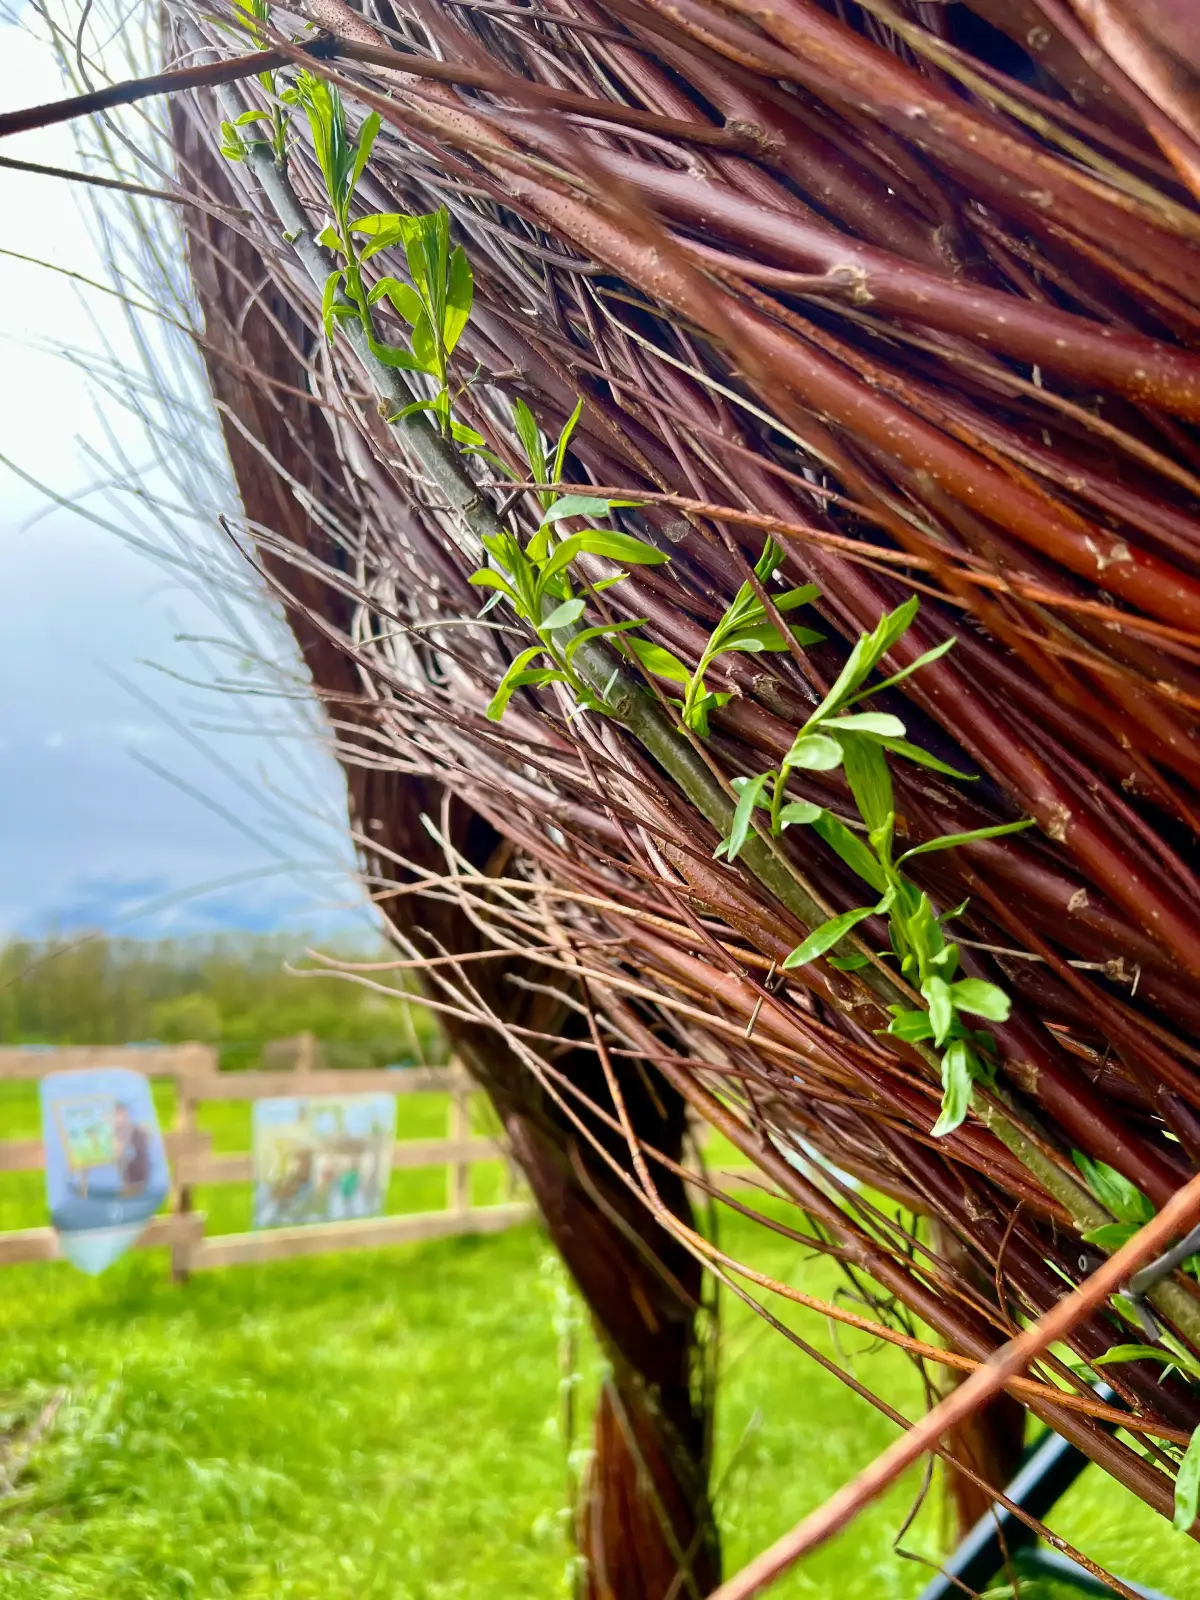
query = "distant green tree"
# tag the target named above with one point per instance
(187, 1016)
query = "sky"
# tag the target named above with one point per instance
(129, 801)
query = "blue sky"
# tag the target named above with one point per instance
(121, 787)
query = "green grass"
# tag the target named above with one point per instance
(381, 1424)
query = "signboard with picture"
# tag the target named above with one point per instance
(106, 1168)
(322, 1158)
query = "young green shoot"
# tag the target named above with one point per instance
(1187, 1487)
(436, 302)
(536, 579)
(234, 146)
(745, 629)
(859, 742)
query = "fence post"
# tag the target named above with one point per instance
(195, 1061)
(307, 1057)
(458, 1196)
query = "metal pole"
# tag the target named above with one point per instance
(1050, 1468)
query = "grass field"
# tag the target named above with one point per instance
(382, 1425)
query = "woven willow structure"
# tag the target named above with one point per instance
(891, 300)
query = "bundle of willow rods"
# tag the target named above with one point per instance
(914, 290)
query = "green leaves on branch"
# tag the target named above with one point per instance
(948, 841)
(749, 791)
(542, 469)
(536, 579)
(436, 304)
(436, 300)
(960, 1068)
(518, 676)
(254, 11)
(1114, 1192)
(233, 147)
(658, 662)
(743, 629)
(815, 752)
(1171, 1355)
(1187, 1487)
(340, 159)
(860, 742)
(827, 935)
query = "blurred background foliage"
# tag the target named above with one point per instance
(231, 990)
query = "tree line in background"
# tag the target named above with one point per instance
(230, 990)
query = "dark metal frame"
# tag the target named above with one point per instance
(1049, 1470)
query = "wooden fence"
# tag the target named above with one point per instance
(193, 1068)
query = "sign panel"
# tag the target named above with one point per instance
(106, 1168)
(322, 1158)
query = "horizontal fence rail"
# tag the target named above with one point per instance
(151, 1060)
(194, 1071)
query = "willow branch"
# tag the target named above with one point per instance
(1176, 1217)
